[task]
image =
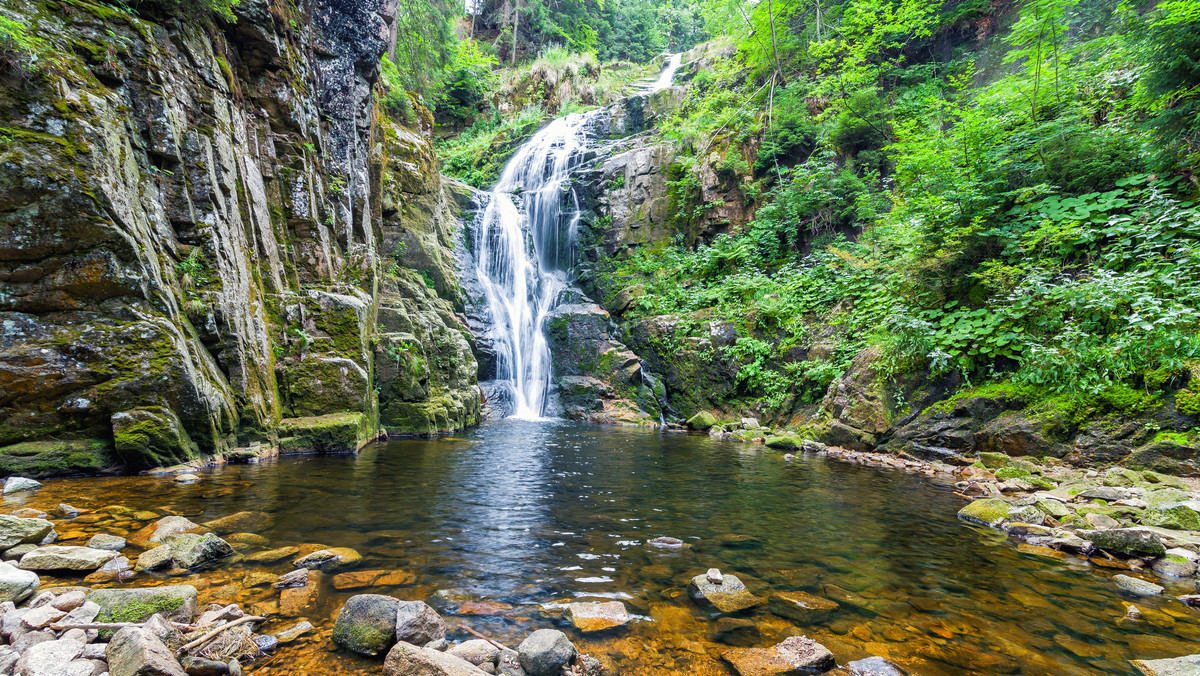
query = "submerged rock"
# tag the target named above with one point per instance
(331, 559)
(241, 522)
(545, 652)
(366, 624)
(1137, 586)
(874, 666)
(800, 606)
(728, 597)
(597, 616)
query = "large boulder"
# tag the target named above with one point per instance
(417, 623)
(173, 602)
(1129, 541)
(794, 656)
(1188, 665)
(406, 659)
(134, 651)
(545, 652)
(16, 585)
(52, 658)
(198, 552)
(1172, 515)
(20, 484)
(165, 527)
(56, 557)
(702, 421)
(986, 512)
(15, 530)
(367, 624)
(728, 596)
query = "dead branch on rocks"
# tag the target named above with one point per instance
(114, 625)
(215, 632)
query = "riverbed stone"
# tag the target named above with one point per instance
(20, 484)
(1053, 508)
(735, 631)
(545, 652)
(134, 651)
(241, 522)
(57, 557)
(51, 658)
(417, 623)
(985, 512)
(702, 421)
(373, 578)
(1137, 586)
(1130, 541)
(805, 653)
(366, 624)
(174, 602)
(165, 527)
(15, 530)
(153, 559)
(728, 597)
(198, 552)
(1173, 566)
(273, 555)
(1109, 493)
(330, 559)
(597, 616)
(105, 541)
(874, 666)
(16, 584)
(801, 606)
(1188, 665)
(406, 659)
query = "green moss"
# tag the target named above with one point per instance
(1012, 473)
(140, 610)
(331, 433)
(987, 512)
(55, 458)
(1187, 402)
(1042, 483)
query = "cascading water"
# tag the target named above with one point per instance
(524, 251)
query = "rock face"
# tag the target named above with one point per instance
(196, 234)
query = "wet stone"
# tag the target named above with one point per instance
(874, 666)
(728, 597)
(800, 606)
(597, 616)
(366, 624)
(545, 652)
(57, 557)
(735, 631)
(417, 623)
(106, 541)
(1132, 541)
(1137, 586)
(373, 578)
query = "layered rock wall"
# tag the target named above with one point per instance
(192, 226)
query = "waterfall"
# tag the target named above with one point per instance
(524, 251)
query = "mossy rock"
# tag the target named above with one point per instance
(702, 421)
(986, 512)
(994, 460)
(1175, 517)
(330, 433)
(367, 624)
(151, 437)
(175, 602)
(57, 458)
(1167, 455)
(1167, 480)
(787, 442)
(1012, 473)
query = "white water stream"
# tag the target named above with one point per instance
(524, 252)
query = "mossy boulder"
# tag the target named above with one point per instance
(785, 442)
(993, 460)
(57, 458)
(702, 421)
(1167, 455)
(1129, 541)
(151, 437)
(1173, 516)
(174, 602)
(330, 433)
(986, 512)
(367, 624)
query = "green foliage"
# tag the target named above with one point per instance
(478, 154)
(470, 79)
(1188, 402)
(19, 48)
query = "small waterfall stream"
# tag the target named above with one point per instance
(524, 253)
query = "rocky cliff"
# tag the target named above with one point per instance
(199, 228)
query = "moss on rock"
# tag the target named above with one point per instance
(151, 437)
(56, 458)
(330, 433)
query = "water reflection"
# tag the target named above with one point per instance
(518, 516)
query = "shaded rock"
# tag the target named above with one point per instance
(597, 616)
(874, 666)
(241, 522)
(1131, 541)
(1137, 586)
(728, 597)
(174, 602)
(20, 484)
(198, 552)
(417, 623)
(106, 541)
(366, 624)
(800, 606)
(57, 557)
(545, 652)
(735, 631)
(198, 666)
(16, 584)
(406, 659)
(137, 652)
(15, 531)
